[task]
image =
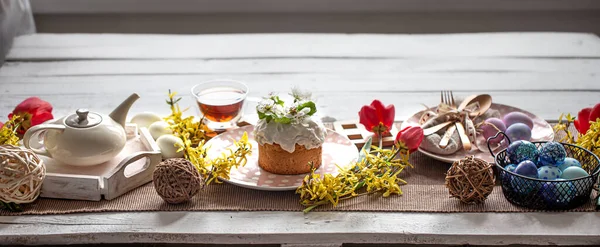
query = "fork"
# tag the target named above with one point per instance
(447, 98)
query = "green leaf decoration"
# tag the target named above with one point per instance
(261, 115)
(283, 120)
(309, 104)
(278, 100)
(365, 150)
(11, 206)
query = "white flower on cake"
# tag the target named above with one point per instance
(272, 108)
(299, 95)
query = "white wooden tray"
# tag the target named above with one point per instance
(130, 169)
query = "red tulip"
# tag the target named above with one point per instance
(34, 111)
(582, 123)
(376, 117)
(411, 136)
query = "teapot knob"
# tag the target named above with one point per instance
(82, 114)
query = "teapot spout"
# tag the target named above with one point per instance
(119, 114)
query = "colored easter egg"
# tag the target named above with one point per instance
(518, 131)
(522, 185)
(145, 119)
(517, 117)
(568, 162)
(549, 172)
(558, 193)
(552, 154)
(506, 178)
(527, 168)
(573, 172)
(169, 146)
(522, 150)
(158, 129)
(510, 167)
(490, 131)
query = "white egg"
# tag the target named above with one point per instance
(157, 129)
(167, 146)
(145, 119)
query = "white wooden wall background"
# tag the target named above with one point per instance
(545, 73)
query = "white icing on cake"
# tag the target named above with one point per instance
(310, 133)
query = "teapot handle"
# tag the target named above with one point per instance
(31, 132)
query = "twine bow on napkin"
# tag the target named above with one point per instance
(456, 118)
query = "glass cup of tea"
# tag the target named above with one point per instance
(220, 102)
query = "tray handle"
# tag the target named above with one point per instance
(494, 137)
(121, 184)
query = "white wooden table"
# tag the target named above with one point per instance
(545, 73)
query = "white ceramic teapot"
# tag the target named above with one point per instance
(84, 138)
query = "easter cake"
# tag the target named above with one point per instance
(289, 138)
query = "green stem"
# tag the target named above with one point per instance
(380, 135)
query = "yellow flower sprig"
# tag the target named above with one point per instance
(194, 136)
(377, 172)
(564, 126)
(221, 166)
(8, 132)
(589, 140)
(196, 131)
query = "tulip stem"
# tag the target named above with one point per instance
(380, 136)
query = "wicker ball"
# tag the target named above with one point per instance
(21, 174)
(177, 180)
(470, 180)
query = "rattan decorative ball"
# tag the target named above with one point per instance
(177, 180)
(21, 174)
(471, 180)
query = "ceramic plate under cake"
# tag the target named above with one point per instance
(542, 131)
(337, 150)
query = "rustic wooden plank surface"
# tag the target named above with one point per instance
(389, 66)
(545, 73)
(298, 228)
(123, 46)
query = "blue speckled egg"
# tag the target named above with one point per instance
(510, 167)
(522, 150)
(518, 131)
(552, 154)
(573, 172)
(522, 185)
(568, 162)
(549, 172)
(527, 168)
(558, 194)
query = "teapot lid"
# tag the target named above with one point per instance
(83, 118)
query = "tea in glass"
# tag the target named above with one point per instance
(220, 102)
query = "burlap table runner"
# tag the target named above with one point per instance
(425, 192)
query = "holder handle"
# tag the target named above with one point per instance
(120, 184)
(35, 129)
(494, 137)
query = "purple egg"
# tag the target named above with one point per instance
(518, 131)
(517, 117)
(490, 131)
(527, 168)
